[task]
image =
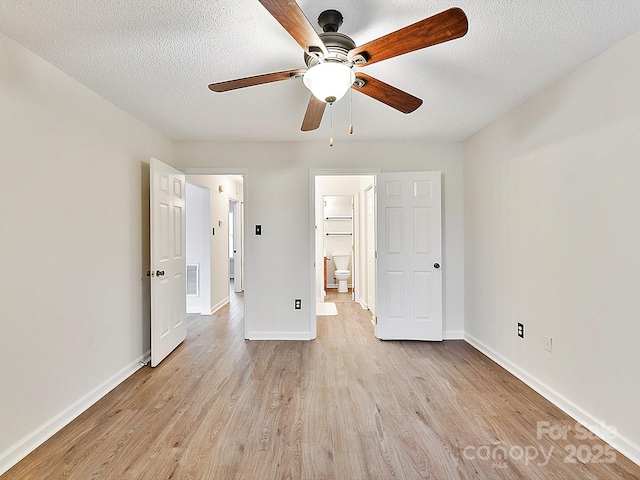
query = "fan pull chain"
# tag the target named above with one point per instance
(351, 111)
(331, 119)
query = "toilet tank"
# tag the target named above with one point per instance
(341, 261)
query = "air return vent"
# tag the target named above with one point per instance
(193, 280)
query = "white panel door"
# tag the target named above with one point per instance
(409, 243)
(168, 260)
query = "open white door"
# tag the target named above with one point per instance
(409, 243)
(168, 260)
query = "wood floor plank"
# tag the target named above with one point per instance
(345, 406)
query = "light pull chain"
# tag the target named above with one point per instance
(351, 111)
(331, 120)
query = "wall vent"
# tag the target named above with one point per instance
(193, 280)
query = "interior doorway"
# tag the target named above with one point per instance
(340, 238)
(406, 256)
(215, 229)
(338, 244)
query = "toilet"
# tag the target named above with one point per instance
(342, 273)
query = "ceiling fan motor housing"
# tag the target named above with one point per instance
(338, 45)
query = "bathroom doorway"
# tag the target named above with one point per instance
(338, 244)
(341, 232)
(406, 254)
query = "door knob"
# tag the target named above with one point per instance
(436, 265)
(159, 273)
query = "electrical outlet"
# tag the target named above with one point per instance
(548, 344)
(521, 330)
(258, 229)
(298, 304)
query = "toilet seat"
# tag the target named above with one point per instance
(343, 272)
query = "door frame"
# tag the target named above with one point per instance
(244, 172)
(313, 173)
(370, 241)
(238, 245)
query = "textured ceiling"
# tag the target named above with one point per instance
(155, 59)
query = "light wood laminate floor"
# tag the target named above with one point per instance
(345, 406)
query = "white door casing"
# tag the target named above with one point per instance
(371, 249)
(168, 260)
(238, 247)
(355, 259)
(409, 264)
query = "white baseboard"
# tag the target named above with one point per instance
(219, 305)
(194, 309)
(215, 308)
(597, 426)
(28, 444)
(279, 335)
(453, 335)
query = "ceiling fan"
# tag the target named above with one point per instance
(330, 57)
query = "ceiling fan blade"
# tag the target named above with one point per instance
(256, 80)
(294, 21)
(385, 93)
(442, 27)
(313, 115)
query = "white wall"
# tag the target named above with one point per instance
(552, 229)
(198, 248)
(279, 263)
(74, 295)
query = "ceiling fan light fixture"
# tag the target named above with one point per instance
(329, 81)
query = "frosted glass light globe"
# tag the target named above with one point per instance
(329, 81)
